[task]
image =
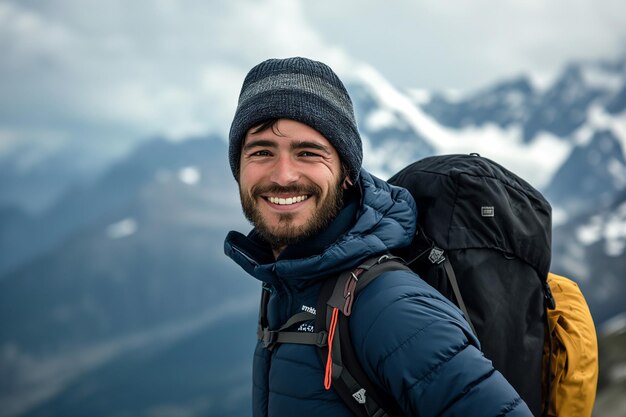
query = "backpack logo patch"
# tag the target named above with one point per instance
(487, 211)
(359, 396)
(436, 255)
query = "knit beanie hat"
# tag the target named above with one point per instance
(303, 90)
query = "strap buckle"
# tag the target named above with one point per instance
(322, 339)
(349, 291)
(268, 337)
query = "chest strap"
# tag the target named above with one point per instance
(271, 338)
(345, 287)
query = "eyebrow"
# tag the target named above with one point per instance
(295, 145)
(260, 143)
(305, 144)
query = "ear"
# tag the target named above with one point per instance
(347, 183)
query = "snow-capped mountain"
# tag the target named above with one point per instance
(561, 109)
(560, 137)
(591, 176)
(592, 250)
(136, 265)
(26, 234)
(122, 282)
(32, 178)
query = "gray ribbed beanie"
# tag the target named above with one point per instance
(303, 90)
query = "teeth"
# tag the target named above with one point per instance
(287, 201)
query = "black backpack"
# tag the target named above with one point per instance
(484, 241)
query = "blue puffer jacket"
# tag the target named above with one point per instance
(410, 340)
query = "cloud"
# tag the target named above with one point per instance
(122, 71)
(465, 45)
(26, 34)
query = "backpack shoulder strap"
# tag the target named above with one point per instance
(343, 370)
(349, 283)
(457, 293)
(424, 250)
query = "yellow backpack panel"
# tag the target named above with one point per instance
(574, 363)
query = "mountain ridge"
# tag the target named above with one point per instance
(141, 246)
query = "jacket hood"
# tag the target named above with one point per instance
(385, 220)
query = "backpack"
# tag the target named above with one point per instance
(483, 241)
(485, 233)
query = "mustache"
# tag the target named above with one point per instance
(311, 189)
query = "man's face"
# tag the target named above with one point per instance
(290, 182)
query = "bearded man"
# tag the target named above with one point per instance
(296, 154)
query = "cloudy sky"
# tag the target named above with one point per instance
(101, 74)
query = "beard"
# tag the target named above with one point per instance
(286, 233)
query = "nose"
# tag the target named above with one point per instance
(284, 171)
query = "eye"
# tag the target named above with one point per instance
(309, 154)
(261, 153)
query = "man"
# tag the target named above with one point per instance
(296, 154)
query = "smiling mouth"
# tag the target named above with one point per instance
(287, 201)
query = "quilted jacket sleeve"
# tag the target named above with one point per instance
(417, 346)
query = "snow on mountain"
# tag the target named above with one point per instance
(122, 228)
(592, 175)
(598, 118)
(190, 175)
(533, 131)
(504, 104)
(600, 77)
(611, 230)
(535, 161)
(563, 108)
(591, 249)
